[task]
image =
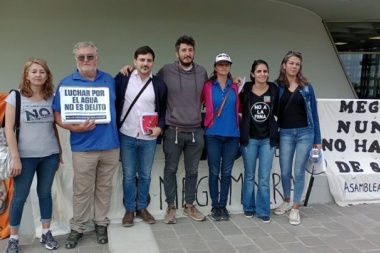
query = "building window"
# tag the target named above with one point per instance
(358, 45)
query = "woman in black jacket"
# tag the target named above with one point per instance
(258, 139)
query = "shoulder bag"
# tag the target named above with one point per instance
(5, 154)
(134, 101)
(217, 114)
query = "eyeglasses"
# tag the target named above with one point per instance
(88, 57)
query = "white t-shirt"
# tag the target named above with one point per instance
(37, 137)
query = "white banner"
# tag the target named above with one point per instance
(350, 132)
(81, 103)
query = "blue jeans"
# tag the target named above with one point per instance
(221, 154)
(300, 142)
(44, 168)
(257, 149)
(137, 156)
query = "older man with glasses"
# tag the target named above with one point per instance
(93, 138)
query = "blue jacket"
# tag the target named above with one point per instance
(160, 92)
(308, 95)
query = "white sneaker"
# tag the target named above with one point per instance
(285, 206)
(294, 217)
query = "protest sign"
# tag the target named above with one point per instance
(350, 131)
(81, 103)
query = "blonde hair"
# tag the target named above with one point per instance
(48, 87)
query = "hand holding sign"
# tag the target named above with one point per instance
(85, 126)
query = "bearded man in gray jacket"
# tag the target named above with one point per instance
(184, 80)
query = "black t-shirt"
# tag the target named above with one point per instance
(295, 115)
(260, 111)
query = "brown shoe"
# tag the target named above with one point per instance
(128, 219)
(170, 215)
(192, 211)
(145, 216)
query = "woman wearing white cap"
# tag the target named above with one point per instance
(222, 133)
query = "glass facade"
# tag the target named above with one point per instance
(358, 45)
(364, 72)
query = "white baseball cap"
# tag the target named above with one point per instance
(223, 57)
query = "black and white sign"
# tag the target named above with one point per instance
(351, 132)
(81, 103)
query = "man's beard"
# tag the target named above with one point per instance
(88, 71)
(186, 64)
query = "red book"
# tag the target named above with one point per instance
(148, 119)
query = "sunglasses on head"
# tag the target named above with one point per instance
(294, 53)
(89, 57)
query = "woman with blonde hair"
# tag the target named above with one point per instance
(36, 151)
(299, 130)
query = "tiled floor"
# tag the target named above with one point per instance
(325, 228)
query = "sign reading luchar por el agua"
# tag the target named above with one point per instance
(350, 133)
(81, 103)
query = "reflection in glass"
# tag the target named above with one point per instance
(358, 44)
(364, 73)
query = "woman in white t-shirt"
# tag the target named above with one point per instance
(37, 149)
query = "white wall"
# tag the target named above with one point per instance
(246, 30)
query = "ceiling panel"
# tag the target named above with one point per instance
(355, 36)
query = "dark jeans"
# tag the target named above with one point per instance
(192, 145)
(221, 153)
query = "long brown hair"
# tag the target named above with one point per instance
(48, 87)
(300, 78)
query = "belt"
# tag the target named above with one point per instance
(183, 130)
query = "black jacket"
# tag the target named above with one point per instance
(160, 92)
(246, 114)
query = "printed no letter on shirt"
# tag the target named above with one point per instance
(81, 103)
